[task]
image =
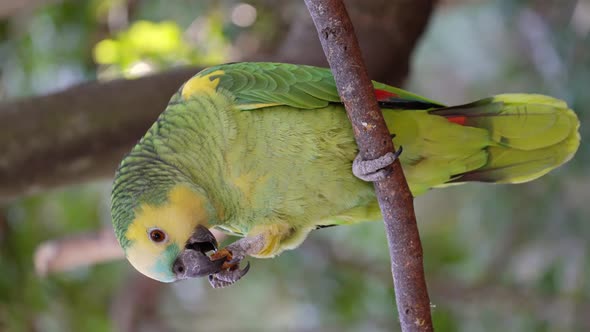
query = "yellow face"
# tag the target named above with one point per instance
(159, 233)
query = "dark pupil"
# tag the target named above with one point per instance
(157, 236)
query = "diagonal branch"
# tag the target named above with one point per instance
(356, 91)
(83, 249)
(80, 134)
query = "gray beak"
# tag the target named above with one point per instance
(193, 260)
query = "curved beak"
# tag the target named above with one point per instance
(193, 261)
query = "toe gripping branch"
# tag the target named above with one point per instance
(375, 169)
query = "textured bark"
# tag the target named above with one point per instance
(373, 139)
(80, 134)
(387, 32)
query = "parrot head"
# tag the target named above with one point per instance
(163, 231)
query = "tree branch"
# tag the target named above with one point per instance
(81, 250)
(387, 32)
(340, 45)
(85, 249)
(80, 134)
(457, 295)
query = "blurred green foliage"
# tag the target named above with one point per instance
(147, 46)
(63, 302)
(498, 258)
(158, 41)
(47, 50)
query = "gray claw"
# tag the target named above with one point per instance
(374, 170)
(216, 283)
(227, 277)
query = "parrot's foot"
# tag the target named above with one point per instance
(374, 170)
(232, 256)
(228, 277)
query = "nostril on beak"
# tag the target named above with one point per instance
(178, 268)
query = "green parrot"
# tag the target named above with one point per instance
(265, 151)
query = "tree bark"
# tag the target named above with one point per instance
(340, 45)
(387, 32)
(80, 134)
(13, 7)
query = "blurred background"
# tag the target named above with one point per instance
(497, 257)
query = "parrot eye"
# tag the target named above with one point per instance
(157, 235)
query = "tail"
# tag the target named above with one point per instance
(530, 135)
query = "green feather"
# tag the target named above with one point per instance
(531, 135)
(238, 135)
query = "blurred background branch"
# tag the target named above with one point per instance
(82, 250)
(14, 7)
(79, 134)
(77, 251)
(82, 132)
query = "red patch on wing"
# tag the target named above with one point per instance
(460, 120)
(384, 95)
